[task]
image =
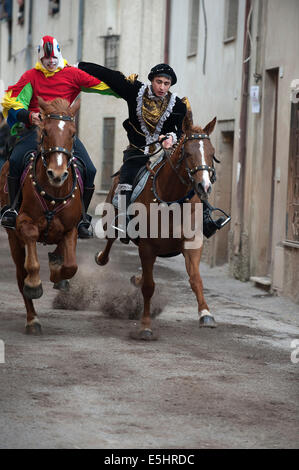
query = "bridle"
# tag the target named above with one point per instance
(46, 152)
(190, 171)
(57, 203)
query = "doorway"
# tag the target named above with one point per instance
(223, 190)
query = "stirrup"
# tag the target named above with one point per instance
(83, 229)
(8, 218)
(210, 226)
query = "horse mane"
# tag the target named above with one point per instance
(190, 130)
(59, 105)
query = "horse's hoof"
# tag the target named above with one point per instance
(207, 321)
(33, 292)
(99, 261)
(34, 329)
(143, 335)
(136, 281)
(63, 285)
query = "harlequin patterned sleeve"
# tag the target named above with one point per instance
(16, 98)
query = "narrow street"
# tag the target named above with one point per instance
(86, 384)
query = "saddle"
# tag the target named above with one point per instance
(139, 182)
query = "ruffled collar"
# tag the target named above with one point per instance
(39, 66)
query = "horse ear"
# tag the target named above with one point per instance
(75, 107)
(188, 119)
(42, 103)
(210, 127)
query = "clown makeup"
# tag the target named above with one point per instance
(50, 63)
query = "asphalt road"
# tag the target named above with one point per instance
(86, 384)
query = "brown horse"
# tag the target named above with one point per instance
(51, 206)
(185, 176)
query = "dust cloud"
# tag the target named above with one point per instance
(109, 292)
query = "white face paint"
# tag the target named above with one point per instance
(50, 63)
(205, 175)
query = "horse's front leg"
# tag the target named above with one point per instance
(192, 260)
(30, 234)
(33, 325)
(69, 266)
(148, 287)
(62, 261)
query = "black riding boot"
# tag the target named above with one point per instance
(84, 225)
(122, 219)
(9, 213)
(210, 225)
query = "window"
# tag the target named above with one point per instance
(231, 20)
(5, 9)
(108, 153)
(193, 28)
(54, 7)
(21, 12)
(6, 15)
(293, 183)
(111, 44)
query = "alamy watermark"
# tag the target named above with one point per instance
(295, 353)
(2, 352)
(170, 221)
(295, 91)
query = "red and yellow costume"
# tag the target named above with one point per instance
(65, 83)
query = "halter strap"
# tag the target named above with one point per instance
(60, 117)
(196, 137)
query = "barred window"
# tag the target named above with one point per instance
(231, 20)
(111, 45)
(193, 27)
(108, 153)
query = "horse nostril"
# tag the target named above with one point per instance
(200, 187)
(50, 173)
(65, 175)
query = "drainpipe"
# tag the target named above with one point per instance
(80, 31)
(167, 31)
(80, 46)
(239, 223)
(29, 38)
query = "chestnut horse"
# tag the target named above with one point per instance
(185, 176)
(51, 206)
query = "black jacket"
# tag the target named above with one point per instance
(131, 91)
(4, 135)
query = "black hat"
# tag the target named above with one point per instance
(162, 70)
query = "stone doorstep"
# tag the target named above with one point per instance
(262, 282)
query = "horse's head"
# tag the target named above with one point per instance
(199, 153)
(57, 131)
